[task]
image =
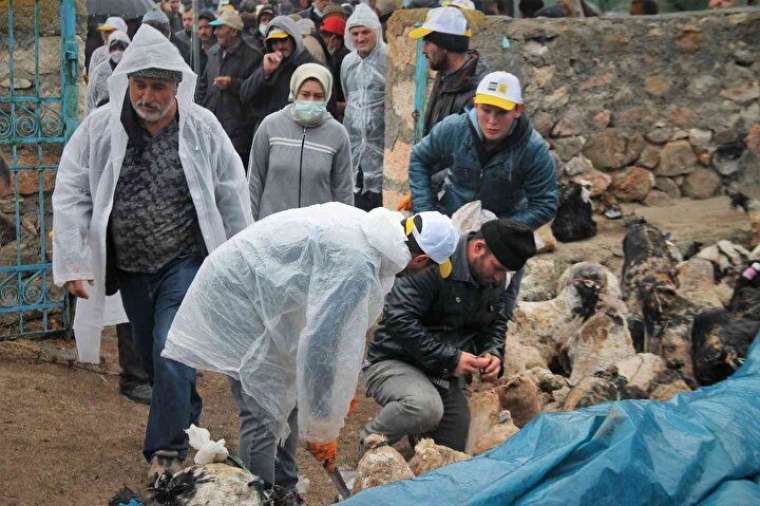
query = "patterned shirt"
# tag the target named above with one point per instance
(153, 220)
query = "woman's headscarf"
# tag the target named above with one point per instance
(311, 71)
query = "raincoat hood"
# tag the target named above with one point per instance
(150, 49)
(290, 27)
(364, 16)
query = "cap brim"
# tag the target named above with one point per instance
(216, 22)
(277, 35)
(446, 267)
(495, 101)
(420, 32)
(106, 28)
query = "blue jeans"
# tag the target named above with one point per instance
(151, 301)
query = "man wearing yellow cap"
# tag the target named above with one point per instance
(268, 88)
(101, 54)
(492, 154)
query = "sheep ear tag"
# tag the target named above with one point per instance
(445, 269)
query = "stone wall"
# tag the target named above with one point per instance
(646, 108)
(35, 162)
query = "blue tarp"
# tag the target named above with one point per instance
(700, 447)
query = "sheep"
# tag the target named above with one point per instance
(381, 464)
(429, 456)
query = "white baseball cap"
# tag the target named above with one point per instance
(500, 89)
(443, 20)
(438, 237)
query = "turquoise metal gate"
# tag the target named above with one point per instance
(38, 113)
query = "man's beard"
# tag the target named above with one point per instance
(438, 66)
(151, 116)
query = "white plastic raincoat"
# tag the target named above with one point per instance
(90, 165)
(363, 81)
(284, 307)
(97, 86)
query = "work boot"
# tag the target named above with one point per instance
(141, 393)
(162, 462)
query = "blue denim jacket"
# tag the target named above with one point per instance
(517, 182)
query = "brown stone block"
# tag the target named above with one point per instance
(657, 85)
(632, 185)
(743, 93)
(676, 158)
(701, 184)
(682, 116)
(690, 39)
(613, 148)
(753, 138)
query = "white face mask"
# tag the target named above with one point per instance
(263, 29)
(116, 56)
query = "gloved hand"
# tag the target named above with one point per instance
(405, 204)
(325, 453)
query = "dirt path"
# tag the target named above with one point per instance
(68, 437)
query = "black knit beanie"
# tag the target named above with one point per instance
(455, 43)
(511, 243)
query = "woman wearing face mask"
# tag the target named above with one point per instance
(300, 155)
(97, 88)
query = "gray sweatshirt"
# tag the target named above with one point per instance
(284, 152)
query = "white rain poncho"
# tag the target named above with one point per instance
(97, 86)
(90, 165)
(101, 52)
(363, 81)
(284, 307)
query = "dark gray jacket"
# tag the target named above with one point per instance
(428, 320)
(268, 94)
(227, 105)
(453, 92)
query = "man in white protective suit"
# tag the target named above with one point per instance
(283, 309)
(146, 187)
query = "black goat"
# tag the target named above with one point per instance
(574, 220)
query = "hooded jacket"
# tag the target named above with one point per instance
(363, 82)
(92, 159)
(452, 93)
(284, 307)
(517, 180)
(268, 94)
(227, 104)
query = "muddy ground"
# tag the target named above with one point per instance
(68, 437)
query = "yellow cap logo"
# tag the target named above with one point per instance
(502, 89)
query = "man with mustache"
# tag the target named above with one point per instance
(147, 186)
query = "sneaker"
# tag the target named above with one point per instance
(140, 393)
(163, 462)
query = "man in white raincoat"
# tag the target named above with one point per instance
(283, 309)
(147, 186)
(362, 75)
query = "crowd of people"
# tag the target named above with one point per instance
(227, 182)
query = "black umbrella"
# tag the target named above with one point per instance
(126, 9)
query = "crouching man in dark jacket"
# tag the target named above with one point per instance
(438, 326)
